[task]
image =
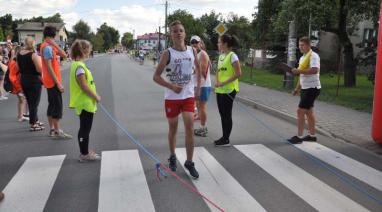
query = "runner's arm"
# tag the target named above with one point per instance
(158, 71)
(81, 79)
(204, 63)
(197, 70)
(37, 62)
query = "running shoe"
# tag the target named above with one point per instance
(23, 118)
(222, 142)
(172, 163)
(91, 156)
(62, 135)
(52, 133)
(202, 131)
(309, 138)
(295, 140)
(190, 166)
(3, 98)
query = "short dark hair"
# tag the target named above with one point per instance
(231, 41)
(50, 31)
(305, 40)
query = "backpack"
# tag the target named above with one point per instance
(8, 86)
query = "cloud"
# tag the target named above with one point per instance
(29, 8)
(127, 19)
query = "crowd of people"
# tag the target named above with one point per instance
(187, 83)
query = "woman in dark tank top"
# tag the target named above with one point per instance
(30, 69)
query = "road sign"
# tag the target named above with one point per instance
(221, 29)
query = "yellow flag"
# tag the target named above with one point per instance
(305, 64)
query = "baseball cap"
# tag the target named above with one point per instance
(195, 37)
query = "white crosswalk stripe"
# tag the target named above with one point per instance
(30, 188)
(123, 185)
(217, 183)
(123, 182)
(342, 162)
(318, 194)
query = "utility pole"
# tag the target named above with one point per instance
(292, 46)
(159, 44)
(165, 25)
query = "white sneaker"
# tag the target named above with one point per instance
(3, 98)
(61, 134)
(91, 156)
(23, 119)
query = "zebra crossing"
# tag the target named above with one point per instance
(123, 185)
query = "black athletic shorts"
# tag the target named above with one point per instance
(307, 97)
(54, 103)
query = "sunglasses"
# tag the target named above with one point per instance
(194, 42)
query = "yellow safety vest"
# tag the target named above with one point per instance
(226, 71)
(79, 100)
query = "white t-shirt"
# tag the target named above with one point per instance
(80, 71)
(179, 71)
(311, 80)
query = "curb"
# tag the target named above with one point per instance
(285, 116)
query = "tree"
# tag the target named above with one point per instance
(267, 11)
(81, 30)
(97, 42)
(334, 16)
(110, 36)
(127, 40)
(1, 34)
(6, 25)
(209, 22)
(191, 25)
(240, 27)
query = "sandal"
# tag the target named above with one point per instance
(36, 127)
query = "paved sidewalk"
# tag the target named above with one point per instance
(332, 120)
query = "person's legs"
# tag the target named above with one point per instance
(189, 129)
(227, 114)
(301, 121)
(202, 113)
(311, 122)
(21, 106)
(172, 130)
(86, 121)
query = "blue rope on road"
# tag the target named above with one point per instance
(342, 177)
(136, 142)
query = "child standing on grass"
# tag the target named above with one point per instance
(83, 96)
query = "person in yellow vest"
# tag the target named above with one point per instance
(227, 84)
(309, 86)
(83, 96)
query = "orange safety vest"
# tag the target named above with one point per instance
(14, 76)
(47, 80)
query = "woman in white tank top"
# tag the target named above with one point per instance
(205, 84)
(178, 63)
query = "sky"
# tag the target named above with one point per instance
(133, 16)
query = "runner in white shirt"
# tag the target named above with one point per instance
(310, 87)
(178, 63)
(205, 85)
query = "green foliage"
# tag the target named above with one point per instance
(1, 34)
(81, 30)
(127, 40)
(359, 98)
(97, 42)
(110, 36)
(209, 22)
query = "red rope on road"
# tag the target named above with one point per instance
(191, 187)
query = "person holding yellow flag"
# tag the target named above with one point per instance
(309, 86)
(83, 96)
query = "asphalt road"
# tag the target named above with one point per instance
(260, 172)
